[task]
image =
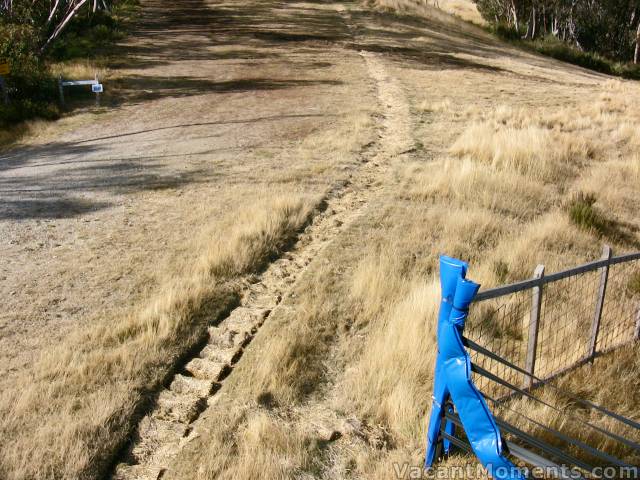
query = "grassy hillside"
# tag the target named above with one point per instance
(441, 139)
(347, 363)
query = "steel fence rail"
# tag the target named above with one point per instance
(554, 277)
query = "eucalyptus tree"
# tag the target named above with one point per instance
(48, 18)
(608, 27)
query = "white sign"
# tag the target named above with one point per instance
(97, 88)
(72, 83)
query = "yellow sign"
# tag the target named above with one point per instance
(4, 68)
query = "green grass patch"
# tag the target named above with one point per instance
(585, 215)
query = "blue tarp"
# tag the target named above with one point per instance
(453, 379)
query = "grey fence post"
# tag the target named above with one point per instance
(97, 93)
(61, 91)
(636, 334)
(534, 325)
(597, 316)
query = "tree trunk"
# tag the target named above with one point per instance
(531, 25)
(637, 52)
(63, 24)
(52, 13)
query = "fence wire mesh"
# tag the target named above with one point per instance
(565, 327)
(621, 313)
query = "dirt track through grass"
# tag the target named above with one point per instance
(125, 242)
(172, 422)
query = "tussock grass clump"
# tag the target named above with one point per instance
(465, 181)
(550, 238)
(277, 447)
(536, 152)
(382, 383)
(440, 106)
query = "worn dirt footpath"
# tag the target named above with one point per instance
(216, 102)
(171, 423)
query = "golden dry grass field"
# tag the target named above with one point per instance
(305, 162)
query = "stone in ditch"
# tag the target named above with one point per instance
(204, 368)
(183, 408)
(154, 436)
(215, 353)
(195, 386)
(137, 472)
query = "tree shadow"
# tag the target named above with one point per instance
(401, 37)
(51, 191)
(252, 34)
(278, 33)
(420, 58)
(51, 208)
(136, 89)
(65, 153)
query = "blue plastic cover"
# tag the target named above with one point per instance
(453, 378)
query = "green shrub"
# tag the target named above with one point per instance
(556, 48)
(560, 50)
(633, 285)
(87, 38)
(31, 87)
(505, 31)
(583, 213)
(32, 90)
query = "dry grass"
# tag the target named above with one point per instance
(353, 349)
(532, 151)
(82, 398)
(612, 382)
(81, 70)
(463, 9)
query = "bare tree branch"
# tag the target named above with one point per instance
(63, 24)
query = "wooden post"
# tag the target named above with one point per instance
(597, 316)
(61, 91)
(5, 92)
(534, 325)
(636, 334)
(97, 93)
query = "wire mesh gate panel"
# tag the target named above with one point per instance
(560, 337)
(525, 340)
